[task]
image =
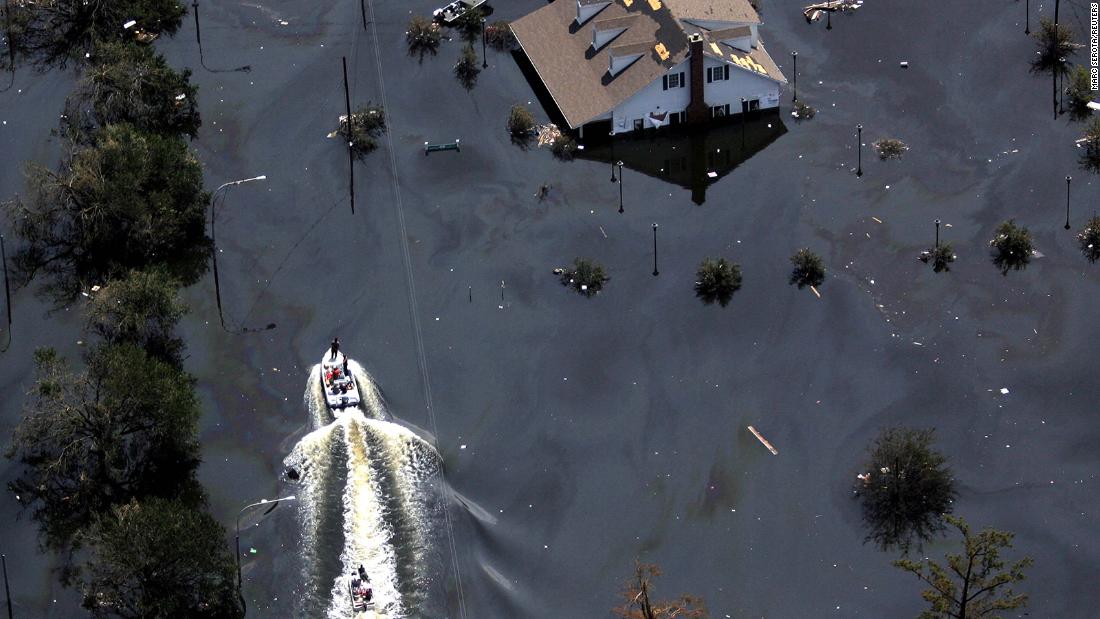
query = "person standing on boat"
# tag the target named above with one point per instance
(334, 348)
(347, 374)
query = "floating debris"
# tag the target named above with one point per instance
(814, 11)
(764, 441)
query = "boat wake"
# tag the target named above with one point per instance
(370, 495)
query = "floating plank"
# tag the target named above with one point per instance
(814, 288)
(764, 441)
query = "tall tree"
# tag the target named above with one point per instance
(638, 605)
(56, 32)
(905, 490)
(716, 280)
(142, 308)
(159, 558)
(130, 200)
(975, 583)
(1011, 247)
(132, 84)
(123, 428)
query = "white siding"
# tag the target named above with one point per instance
(740, 84)
(653, 98)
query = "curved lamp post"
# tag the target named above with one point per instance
(214, 242)
(273, 503)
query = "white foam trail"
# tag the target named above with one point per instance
(368, 489)
(370, 399)
(367, 534)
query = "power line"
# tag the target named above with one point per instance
(422, 361)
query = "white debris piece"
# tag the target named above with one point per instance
(1004, 390)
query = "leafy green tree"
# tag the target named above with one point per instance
(123, 428)
(1089, 239)
(638, 605)
(976, 583)
(809, 270)
(940, 256)
(1090, 158)
(467, 69)
(585, 276)
(143, 309)
(499, 36)
(367, 123)
(422, 37)
(716, 280)
(890, 148)
(55, 32)
(159, 558)
(1011, 247)
(130, 200)
(906, 489)
(132, 84)
(1055, 44)
(521, 124)
(1079, 92)
(468, 25)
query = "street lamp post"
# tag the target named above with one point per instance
(1068, 179)
(198, 38)
(620, 164)
(794, 73)
(1061, 82)
(484, 58)
(859, 150)
(937, 234)
(274, 503)
(1027, 16)
(655, 272)
(214, 242)
(612, 138)
(744, 113)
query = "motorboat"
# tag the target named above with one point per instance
(362, 595)
(337, 382)
(456, 9)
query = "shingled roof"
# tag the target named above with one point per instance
(578, 76)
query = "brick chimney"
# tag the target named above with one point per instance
(697, 110)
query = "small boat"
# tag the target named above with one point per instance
(362, 595)
(338, 384)
(456, 9)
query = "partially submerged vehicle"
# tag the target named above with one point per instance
(337, 382)
(362, 595)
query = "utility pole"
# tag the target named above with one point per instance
(7, 590)
(351, 155)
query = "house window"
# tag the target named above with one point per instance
(676, 118)
(638, 124)
(674, 80)
(719, 111)
(715, 74)
(754, 104)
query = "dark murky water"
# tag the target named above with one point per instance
(600, 430)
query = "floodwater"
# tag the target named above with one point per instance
(576, 434)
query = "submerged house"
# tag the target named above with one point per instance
(621, 65)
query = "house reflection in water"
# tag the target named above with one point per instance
(691, 157)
